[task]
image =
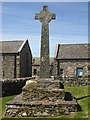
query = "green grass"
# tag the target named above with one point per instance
(78, 92)
(4, 100)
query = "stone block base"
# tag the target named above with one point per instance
(41, 98)
(17, 108)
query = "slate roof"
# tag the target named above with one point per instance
(73, 51)
(11, 46)
(36, 61)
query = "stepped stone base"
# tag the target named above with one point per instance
(41, 98)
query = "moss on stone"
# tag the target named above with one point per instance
(59, 92)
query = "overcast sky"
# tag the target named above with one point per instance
(70, 26)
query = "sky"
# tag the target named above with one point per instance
(69, 27)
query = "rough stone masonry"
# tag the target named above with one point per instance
(45, 17)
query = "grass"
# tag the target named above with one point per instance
(4, 100)
(80, 93)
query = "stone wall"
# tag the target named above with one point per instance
(26, 61)
(74, 81)
(13, 86)
(70, 67)
(38, 109)
(8, 62)
(10, 66)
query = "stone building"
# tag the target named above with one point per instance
(36, 65)
(71, 60)
(16, 59)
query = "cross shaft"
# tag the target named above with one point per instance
(45, 17)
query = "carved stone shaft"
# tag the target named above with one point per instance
(44, 59)
(45, 17)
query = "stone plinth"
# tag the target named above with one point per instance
(41, 98)
(39, 109)
(43, 90)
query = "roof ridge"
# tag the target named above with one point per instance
(13, 41)
(75, 44)
(22, 45)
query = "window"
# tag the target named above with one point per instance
(61, 72)
(35, 71)
(79, 72)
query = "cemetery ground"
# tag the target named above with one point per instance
(80, 93)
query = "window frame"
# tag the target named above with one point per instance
(77, 72)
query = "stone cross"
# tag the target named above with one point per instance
(45, 17)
